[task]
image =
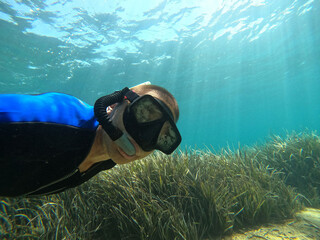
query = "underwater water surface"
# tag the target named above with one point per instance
(240, 70)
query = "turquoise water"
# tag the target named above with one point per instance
(240, 70)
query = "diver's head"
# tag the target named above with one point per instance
(146, 117)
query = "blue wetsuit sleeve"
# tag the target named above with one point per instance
(55, 108)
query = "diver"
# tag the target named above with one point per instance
(51, 142)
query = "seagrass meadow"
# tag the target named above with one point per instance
(187, 195)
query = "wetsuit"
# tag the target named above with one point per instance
(43, 140)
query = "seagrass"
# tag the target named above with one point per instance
(194, 194)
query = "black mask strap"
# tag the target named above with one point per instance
(131, 96)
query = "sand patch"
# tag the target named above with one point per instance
(305, 226)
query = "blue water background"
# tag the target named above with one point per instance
(240, 70)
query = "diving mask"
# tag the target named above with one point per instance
(150, 123)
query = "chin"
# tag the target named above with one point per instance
(121, 158)
(122, 161)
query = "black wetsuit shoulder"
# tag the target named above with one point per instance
(75, 179)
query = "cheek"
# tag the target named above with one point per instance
(116, 156)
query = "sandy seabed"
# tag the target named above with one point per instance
(305, 226)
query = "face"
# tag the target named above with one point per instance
(115, 152)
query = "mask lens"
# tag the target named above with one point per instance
(168, 137)
(146, 111)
